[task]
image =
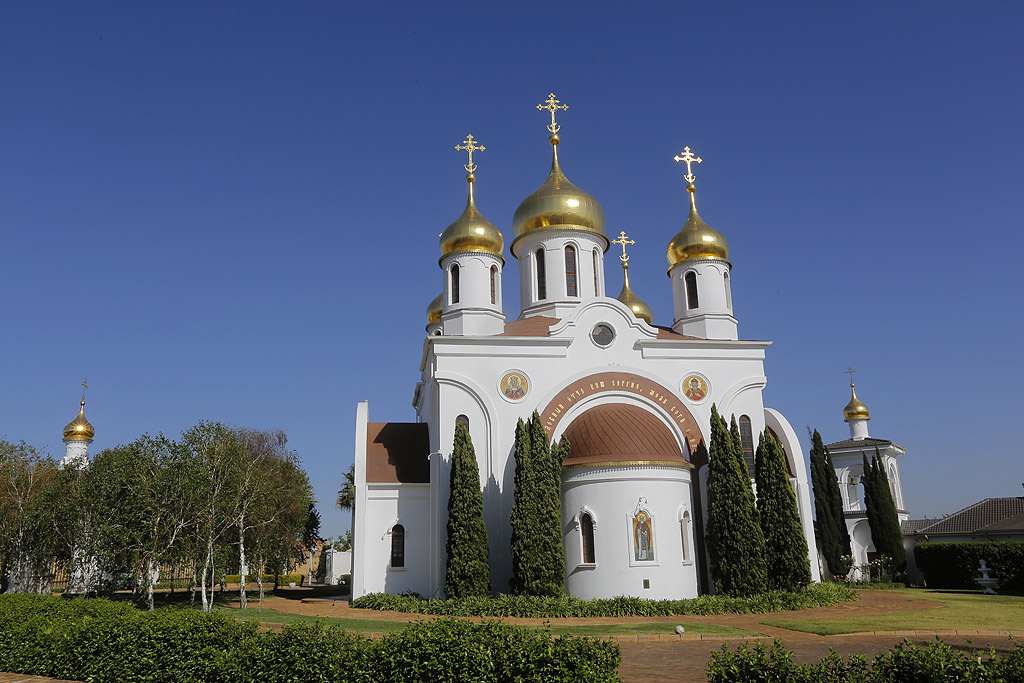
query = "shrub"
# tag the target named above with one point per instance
(905, 663)
(815, 595)
(955, 565)
(107, 642)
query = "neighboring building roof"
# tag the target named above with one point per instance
(909, 526)
(988, 516)
(396, 453)
(620, 433)
(855, 443)
(534, 326)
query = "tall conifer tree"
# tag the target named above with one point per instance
(735, 542)
(828, 507)
(788, 564)
(883, 519)
(467, 572)
(523, 513)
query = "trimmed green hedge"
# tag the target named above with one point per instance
(905, 663)
(814, 595)
(955, 565)
(110, 642)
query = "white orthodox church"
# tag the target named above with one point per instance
(848, 460)
(633, 397)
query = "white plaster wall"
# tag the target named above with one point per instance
(387, 505)
(611, 495)
(713, 317)
(558, 302)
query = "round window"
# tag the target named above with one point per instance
(602, 334)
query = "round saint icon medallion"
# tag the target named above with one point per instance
(514, 386)
(695, 388)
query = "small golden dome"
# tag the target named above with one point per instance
(434, 311)
(558, 204)
(471, 231)
(633, 302)
(697, 239)
(855, 410)
(79, 428)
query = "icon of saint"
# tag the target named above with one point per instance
(695, 392)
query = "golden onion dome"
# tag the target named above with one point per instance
(558, 204)
(471, 231)
(80, 428)
(633, 302)
(697, 239)
(855, 410)
(434, 311)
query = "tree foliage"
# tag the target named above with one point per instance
(828, 508)
(347, 493)
(538, 549)
(883, 519)
(787, 561)
(467, 572)
(736, 546)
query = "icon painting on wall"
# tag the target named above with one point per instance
(643, 538)
(695, 388)
(514, 386)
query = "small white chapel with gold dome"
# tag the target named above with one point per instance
(632, 393)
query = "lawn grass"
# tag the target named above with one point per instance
(272, 616)
(961, 610)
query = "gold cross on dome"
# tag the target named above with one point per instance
(552, 105)
(469, 145)
(623, 240)
(85, 385)
(686, 156)
(849, 371)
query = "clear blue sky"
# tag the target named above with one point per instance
(230, 211)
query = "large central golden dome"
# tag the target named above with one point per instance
(558, 205)
(471, 231)
(697, 239)
(80, 428)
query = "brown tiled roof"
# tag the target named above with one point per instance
(534, 326)
(853, 443)
(615, 432)
(396, 453)
(669, 333)
(991, 514)
(909, 526)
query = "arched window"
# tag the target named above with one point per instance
(455, 283)
(587, 536)
(691, 290)
(398, 546)
(684, 534)
(570, 271)
(462, 420)
(747, 439)
(728, 292)
(542, 280)
(596, 276)
(494, 284)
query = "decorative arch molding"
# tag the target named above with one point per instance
(652, 393)
(737, 388)
(485, 406)
(585, 510)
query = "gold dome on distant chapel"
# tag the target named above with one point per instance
(697, 239)
(471, 231)
(557, 204)
(855, 410)
(80, 428)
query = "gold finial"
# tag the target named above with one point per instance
(686, 156)
(470, 145)
(849, 371)
(623, 240)
(552, 105)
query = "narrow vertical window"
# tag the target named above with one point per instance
(542, 280)
(596, 277)
(587, 536)
(747, 439)
(728, 292)
(691, 290)
(494, 284)
(684, 534)
(462, 420)
(398, 546)
(455, 283)
(570, 271)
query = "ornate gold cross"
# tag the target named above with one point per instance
(623, 240)
(552, 105)
(687, 157)
(469, 145)
(849, 371)
(85, 385)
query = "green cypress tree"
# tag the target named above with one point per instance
(883, 519)
(548, 561)
(828, 507)
(522, 518)
(788, 565)
(734, 539)
(467, 572)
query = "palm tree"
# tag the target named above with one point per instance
(347, 492)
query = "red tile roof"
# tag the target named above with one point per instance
(616, 432)
(534, 326)
(396, 453)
